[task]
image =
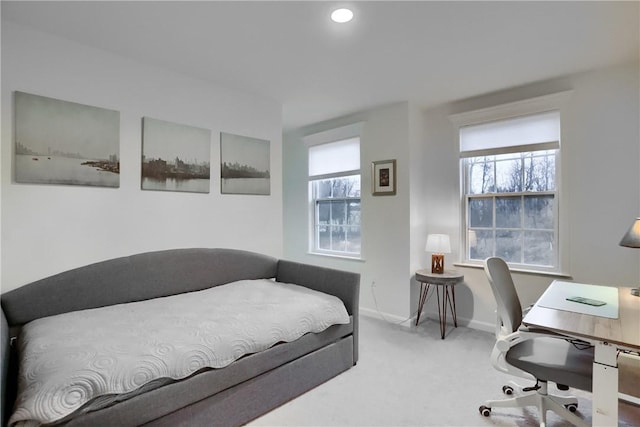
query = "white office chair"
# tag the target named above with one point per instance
(535, 355)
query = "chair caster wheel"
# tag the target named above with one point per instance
(484, 410)
(572, 407)
(507, 390)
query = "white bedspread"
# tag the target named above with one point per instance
(69, 359)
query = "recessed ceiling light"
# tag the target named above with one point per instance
(342, 15)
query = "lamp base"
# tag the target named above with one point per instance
(437, 263)
(635, 292)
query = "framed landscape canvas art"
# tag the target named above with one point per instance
(175, 157)
(245, 165)
(62, 142)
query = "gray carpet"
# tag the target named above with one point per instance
(408, 376)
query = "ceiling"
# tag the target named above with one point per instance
(426, 52)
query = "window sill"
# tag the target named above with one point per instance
(337, 256)
(519, 270)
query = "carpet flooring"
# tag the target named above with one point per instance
(408, 376)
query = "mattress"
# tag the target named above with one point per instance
(77, 361)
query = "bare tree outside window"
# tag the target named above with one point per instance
(337, 213)
(510, 205)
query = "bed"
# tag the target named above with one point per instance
(175, 337)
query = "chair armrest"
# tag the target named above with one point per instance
(504, 343)
(537, 332)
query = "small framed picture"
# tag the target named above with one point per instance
(383, 173)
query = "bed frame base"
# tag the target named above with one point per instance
(240, 404)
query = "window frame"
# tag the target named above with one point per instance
(522, 195)
(508, 111)
(315, 205)
(325, 137)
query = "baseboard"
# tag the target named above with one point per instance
(462, 321)
(476, 324)
(408, 322)
(391, 318)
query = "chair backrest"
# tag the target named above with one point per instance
(504, 291)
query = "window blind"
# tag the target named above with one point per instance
(533, 132)
(327, 160)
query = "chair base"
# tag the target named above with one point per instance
(540, 399)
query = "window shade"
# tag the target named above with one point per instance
(333, 158)
(525, 133)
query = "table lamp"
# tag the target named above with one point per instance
(438, 245)
(632, 240)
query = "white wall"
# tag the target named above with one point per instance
(600, 193)
(49, 228)
(385, 219)
(600, 188)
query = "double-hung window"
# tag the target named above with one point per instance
(334, 188)
(510, 190)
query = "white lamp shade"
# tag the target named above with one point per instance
(632, 238)
(438, 243)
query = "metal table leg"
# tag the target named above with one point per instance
(448, 297)
(453, 308)
(442, 313)
(424, 290)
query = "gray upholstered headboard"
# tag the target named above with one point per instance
(6, 352)
(151, 275)
(133, 278)
(120, 280)
(343, 284)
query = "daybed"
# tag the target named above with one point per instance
(233, 395)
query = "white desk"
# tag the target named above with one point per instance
(608, 335)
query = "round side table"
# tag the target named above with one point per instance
(447, 282)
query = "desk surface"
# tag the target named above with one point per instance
(623, 331)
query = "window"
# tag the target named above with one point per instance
(336, 203)
(334, 187)
(510, 190)
(510, 200)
